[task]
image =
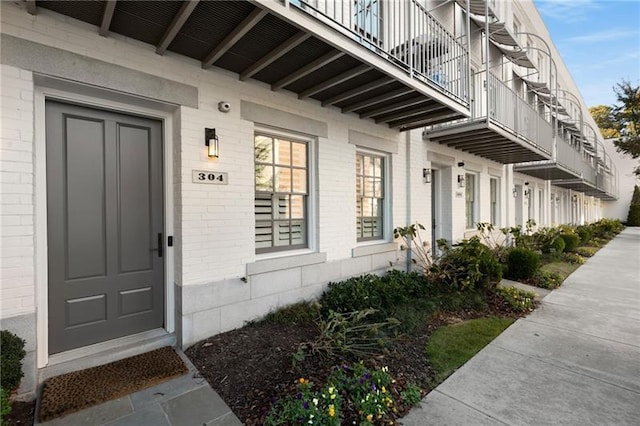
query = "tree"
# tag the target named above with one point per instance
(627, 115)
(633, 219)
(605, 120)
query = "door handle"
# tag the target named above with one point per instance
(159, 249)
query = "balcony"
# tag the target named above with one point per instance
(403, 71)
(503, 127)
(596, 179)
(566, 164)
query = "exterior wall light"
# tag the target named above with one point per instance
(460, 181)
(212, 143)
(426, 175)
(514, 191)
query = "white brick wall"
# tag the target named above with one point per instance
(16, 193)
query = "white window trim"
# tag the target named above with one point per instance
(312, 198)
(498, 200)
(476, 200)
(41, 94)
(387, 221)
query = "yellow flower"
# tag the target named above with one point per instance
(332, 411)
(301, 380)
(369, 417)
(383, 390)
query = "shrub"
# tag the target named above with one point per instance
(546, 279)
(522, 263)
(5, 406)
(11, 360)
(606, 228)
(350, 334)
(586, 251)
(372, 291)
(572, 258)
(584, 232)
(633, 218)
(571, 242)
(295, 314)
(518, 300)
(558, 245)
(545, 238)
(466, 265)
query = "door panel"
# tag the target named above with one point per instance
(105, 210)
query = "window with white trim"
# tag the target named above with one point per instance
(470, 200)
(370, 193)
(281, 193)
(494, 197)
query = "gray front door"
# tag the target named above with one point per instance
(105, 225)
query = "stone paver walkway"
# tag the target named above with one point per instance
(184, 401)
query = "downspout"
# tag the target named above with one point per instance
(408, 193)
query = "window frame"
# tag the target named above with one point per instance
(309, 199)
(386, 193)
(494, 206)
(474, 203)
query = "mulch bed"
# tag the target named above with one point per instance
(252, 366)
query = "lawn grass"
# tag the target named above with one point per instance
(563, 268)
(451, 346)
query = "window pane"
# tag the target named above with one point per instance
(263, 149)
(298, 154)
(283, 179)
(283, 152)
(298, 232)
(264, 235)
(264, 177)
(300, 181)
(263, 207)
(297, 207)
(370, 196)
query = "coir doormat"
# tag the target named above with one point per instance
(65, 394)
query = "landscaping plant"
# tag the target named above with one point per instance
(571, 241)
(516, 299)
(11, 355)
(522, 263)
(633, 218)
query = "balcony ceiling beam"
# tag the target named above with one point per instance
(233, 37)
(341, 78)
(429, 116)
(308, 69)
(378, 99)
(107, 16)
(31, 7)
(274, 55)
(357, 91)
(420, 109)
(175, 26)
(463, 137)
(386, 109)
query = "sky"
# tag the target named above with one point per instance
(599, 41)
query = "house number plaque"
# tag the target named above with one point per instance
(206, 176)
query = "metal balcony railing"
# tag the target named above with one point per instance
(504, 107)
(568, 155)
(404, 33)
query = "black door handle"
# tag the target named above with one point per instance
(160, 245)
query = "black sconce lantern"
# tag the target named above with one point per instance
(461, 181)
(527, 191)
(212, 143)
(426, 175)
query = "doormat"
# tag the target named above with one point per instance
(67, 393)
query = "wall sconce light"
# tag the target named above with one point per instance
(460, 181)
(212, 143)
(514, 191)
(426, 175)
(527, 191)
(575, 198)
(557, 200)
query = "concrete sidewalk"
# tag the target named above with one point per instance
(574, 361)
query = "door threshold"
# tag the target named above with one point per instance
(105, 352)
